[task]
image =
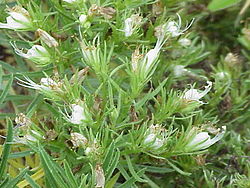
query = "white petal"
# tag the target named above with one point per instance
(19, 17)
(128, 29)
(201, 137)
(78, 114)
(157, 143)
(70, 1)
(207, 89)
(83, 18)
(13, 24)
(179, 70)
(36, 51)
(150, 138)
(192, 94)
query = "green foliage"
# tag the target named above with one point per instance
(114, 93)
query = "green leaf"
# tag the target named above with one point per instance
(19, 154)
(108, 156)
(131, 180)
(113, 165)
(132, 170)
(150, 95)
(6, 149)
(13, 182)
(8, 67)
(52, 170)
(1, 76)
(112, 181)
(32, 183)
(70, 177)
(154, 169)
(178, 170)
(33, 105)
(6, 89)
(216, 5)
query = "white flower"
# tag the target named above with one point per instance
(185, 42)
(179, 70)
(37, 53)
(202, 140)
(195, 95)
(174, 28)
(18, 19)
(83, 18)
(70, 1)
(78, 114)
(155, 137)
(128, 28)
(46, 38)
(130, 24)
(46, 84)
(152, 54)
(154, 142)
(78, 139)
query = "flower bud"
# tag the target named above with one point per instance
(31, 136)
(18, 19)
(46, 38)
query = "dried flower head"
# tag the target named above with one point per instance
(22, 120)
(231, 59)
(157, 8)
(107, 12)
(46, 38)
(78, 140)
(136, 57)
(100, 178)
